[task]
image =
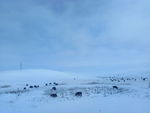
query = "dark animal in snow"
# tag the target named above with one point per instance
(36, 86)
(53, 88)
(115, 87)
(55, 83)
(79, 94)
(144, 79)
(53, 95)
(31, 87)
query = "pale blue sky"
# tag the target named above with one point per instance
(75, 35)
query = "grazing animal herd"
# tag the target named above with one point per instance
(53, 89)
(79, 93)
(121, 79)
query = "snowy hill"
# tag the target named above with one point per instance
(38, 76)
(33, 76)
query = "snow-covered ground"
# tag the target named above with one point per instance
(131, 94)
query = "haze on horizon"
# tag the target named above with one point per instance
(88, 36)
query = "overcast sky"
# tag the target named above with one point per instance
(75, 35)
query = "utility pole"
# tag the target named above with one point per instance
(20, 66)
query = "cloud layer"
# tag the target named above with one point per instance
(101, 35)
